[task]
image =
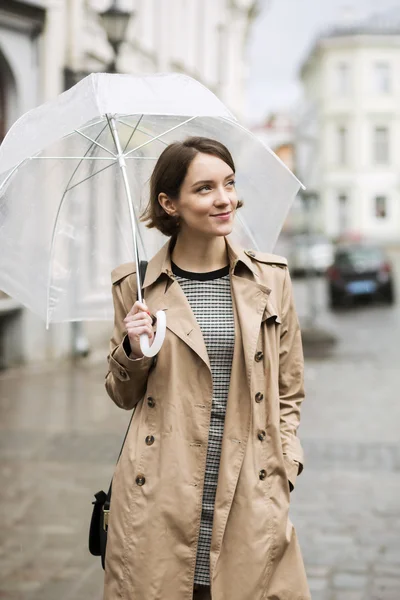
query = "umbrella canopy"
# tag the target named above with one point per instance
(65, 222)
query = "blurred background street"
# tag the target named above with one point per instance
(319, 83)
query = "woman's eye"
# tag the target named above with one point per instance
(204, 188)
(231, 183)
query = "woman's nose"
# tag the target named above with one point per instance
(222, 196)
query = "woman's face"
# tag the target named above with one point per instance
(207, 200)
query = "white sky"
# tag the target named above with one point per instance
(280, 40)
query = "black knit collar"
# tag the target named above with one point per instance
(200, 276)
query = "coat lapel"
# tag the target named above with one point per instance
(250, 298)
(182, 322)
(163, 293)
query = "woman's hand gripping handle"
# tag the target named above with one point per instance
(139, 327)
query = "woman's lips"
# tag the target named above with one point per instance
(223, 216)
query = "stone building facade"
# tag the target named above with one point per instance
(348, 143)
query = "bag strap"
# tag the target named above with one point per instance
(142, 271)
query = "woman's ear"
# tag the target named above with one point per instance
(167, 204)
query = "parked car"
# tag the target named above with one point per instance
(360, 270)
(313, 252)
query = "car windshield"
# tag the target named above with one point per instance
(357, 256)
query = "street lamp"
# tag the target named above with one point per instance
(115, 22)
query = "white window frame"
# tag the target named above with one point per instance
(342, 144)
(381, 147)
(382, 77)
(384, 216)
(343, 202)
(342, 78)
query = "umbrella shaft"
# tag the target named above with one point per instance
(122, 165)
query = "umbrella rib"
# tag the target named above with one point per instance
(85, 127)
(3, 183)
(68, 189)
(56, 221)
(94, 142)
(93, 124)
(71, 158)
(247, 230)
(133, 132)
(140, 131)
(159, 136)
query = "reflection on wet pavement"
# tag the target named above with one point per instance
(60, 437)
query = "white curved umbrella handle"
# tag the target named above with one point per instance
(158, 341)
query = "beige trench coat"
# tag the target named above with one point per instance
(158, 484)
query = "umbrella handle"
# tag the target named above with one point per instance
(158, 341)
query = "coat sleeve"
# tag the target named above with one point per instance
(126, 378)
(291, 383)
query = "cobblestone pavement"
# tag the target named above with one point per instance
(60, 436)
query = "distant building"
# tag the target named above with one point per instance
(348, 140)
(278, 133)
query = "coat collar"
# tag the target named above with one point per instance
(250, 295)
(161, 262)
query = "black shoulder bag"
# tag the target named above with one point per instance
(99, 521)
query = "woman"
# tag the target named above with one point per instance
(220, 403)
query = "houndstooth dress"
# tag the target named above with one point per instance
(209, 295)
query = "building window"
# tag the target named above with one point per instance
(381, 145)
(342, 143)
(343, 210)
(382, 77)
(380, 207)
(221, 54)
(343, 79)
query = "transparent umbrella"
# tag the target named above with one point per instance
(74, 176)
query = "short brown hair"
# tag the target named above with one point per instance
(169, 174)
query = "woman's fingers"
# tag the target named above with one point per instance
(137, 308)
(137, 329)
(138, 323)
(140, 316)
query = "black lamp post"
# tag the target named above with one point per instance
(115, 22)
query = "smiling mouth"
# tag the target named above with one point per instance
(226, 214)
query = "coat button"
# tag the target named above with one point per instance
(259, 356)
(251, 253)
(262, 474)
(259, 397)
(123, 374)
(140, 480)
(150, 440)
(261, 435)
(151, 402)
